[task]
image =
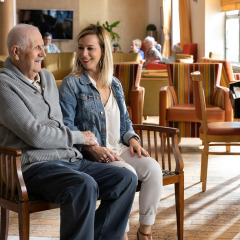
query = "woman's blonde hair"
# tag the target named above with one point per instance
(106, 62)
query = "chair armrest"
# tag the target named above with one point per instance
(221, 99)
(11, 175)
(137, 101)
(162, 154)
(167, 98)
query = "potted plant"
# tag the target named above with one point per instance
(152, 30)
(109, 28)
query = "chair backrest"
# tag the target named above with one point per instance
(199, 97)
(179, 78)
(191, 49)
(59, 64)
(129, 74)
(126, 57)
(227, 72)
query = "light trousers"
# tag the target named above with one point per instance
(149, 173)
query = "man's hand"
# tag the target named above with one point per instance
(89, 138)
(102, 154)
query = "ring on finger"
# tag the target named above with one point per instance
(107, 160)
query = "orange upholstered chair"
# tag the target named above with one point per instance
(176, 104)
(156, 66)
(212, 133)
(129, 74)
(227, 75)
(190, 49)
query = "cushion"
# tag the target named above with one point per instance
(186, 113)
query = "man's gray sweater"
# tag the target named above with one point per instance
(31, 121)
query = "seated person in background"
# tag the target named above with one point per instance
(92, 99)
(136, 45)
(175, 49)
(48, 46)
(53, 168)
(151, 54)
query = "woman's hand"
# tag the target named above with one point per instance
(136, 147)
(102, 154)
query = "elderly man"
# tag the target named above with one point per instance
(31, 120)
(151, 54)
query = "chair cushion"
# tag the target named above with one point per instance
(186, 113)
(222, 128)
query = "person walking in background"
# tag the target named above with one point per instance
(92, 99)
(53, 168)
(48, 45)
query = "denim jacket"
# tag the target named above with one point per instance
(83, 110)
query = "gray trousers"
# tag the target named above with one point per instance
(149, 173)
(76, 186)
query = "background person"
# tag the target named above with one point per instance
(136, 45)
(48, 45)
(92, 99)
(53, 168)
(151, 53)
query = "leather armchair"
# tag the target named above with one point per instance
(129, 74)
(176, 108)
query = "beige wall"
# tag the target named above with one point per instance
(207, 24)
(132, 14)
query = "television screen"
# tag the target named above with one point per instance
(58, 22)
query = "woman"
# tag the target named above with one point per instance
(92, 99)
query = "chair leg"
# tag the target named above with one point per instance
(179, 199)
(228, 148)
(4, 224)
(24, 218)
(204, 167)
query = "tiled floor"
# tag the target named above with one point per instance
(214, 214)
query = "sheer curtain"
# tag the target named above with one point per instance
(184, 23)
(166, 52)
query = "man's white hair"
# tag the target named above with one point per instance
(150, 39)
(18, 35)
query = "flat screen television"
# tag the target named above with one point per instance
(58, 22)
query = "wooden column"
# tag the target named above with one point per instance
(7, 21)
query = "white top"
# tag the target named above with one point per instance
(112, 112)
(112, 115)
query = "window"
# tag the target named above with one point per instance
(232, 31)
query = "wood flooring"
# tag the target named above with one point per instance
(214, 214)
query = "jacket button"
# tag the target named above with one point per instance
(101, 113)
(103, 130)
(85, 97)
(97, 97)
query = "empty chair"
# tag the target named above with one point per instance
(212, 133)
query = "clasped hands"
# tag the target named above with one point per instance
(104, 154)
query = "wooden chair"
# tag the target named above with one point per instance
(14, 196)
(169, 157)
(212, 133)
(176, 106)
